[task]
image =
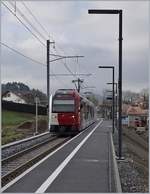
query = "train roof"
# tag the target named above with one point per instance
(66, 91)
(73, 91)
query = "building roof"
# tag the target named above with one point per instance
(125, 107)
(5, 93)
(136, 110)
(17, 94)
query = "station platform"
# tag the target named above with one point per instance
(84, 164)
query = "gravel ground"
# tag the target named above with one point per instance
(133, 177)
(8, 151)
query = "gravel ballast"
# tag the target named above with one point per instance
(133, 176)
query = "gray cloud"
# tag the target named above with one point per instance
(76, 32)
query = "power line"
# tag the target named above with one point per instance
(68, 69)
(79, 81)
(33, 27)
(66, 65)
(24, 24)
(27, 20)
(47, 32)
(56, 78)
(44, 29)
(65, 74)
(33, 60)
(73, 74)
(61, 82)
(18, 52)
(14, 50)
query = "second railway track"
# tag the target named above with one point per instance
(138, 148)
(139, 141)
(16, 164)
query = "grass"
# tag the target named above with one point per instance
(10, 118)
(10, 121)
(10, 135)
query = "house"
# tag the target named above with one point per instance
(137, 117)
(125, 118)
(142, 102)
(13, 97)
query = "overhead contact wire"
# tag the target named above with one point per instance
(24, 24)
(18, 52)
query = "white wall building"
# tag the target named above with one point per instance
(12, 97)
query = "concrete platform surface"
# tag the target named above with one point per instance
(82, 165)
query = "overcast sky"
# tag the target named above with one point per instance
(75, 32)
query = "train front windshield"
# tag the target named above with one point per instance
(63, 105)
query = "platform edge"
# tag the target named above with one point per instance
(115, 167)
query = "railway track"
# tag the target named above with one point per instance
(12, 148)
(17, 163)
(139, 141)
(138, 148)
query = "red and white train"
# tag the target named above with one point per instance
(71, 112)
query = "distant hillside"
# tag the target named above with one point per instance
(17, 87)
(25, 91)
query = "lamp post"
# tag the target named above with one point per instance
(113, 99)
(112, 11)
(116, 91)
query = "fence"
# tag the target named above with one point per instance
(27, 108)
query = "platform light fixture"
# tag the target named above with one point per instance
(113, 96)
(118, 12)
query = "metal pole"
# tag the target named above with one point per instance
(116, 104)
(78, 85)
(113, 101)
(120, 86)
(50, 112)
(106, 11)
(36, 116)
(48, 61)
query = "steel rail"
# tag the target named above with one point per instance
(19, 154)
(23, 140)
(30, 162)
(140, 142)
